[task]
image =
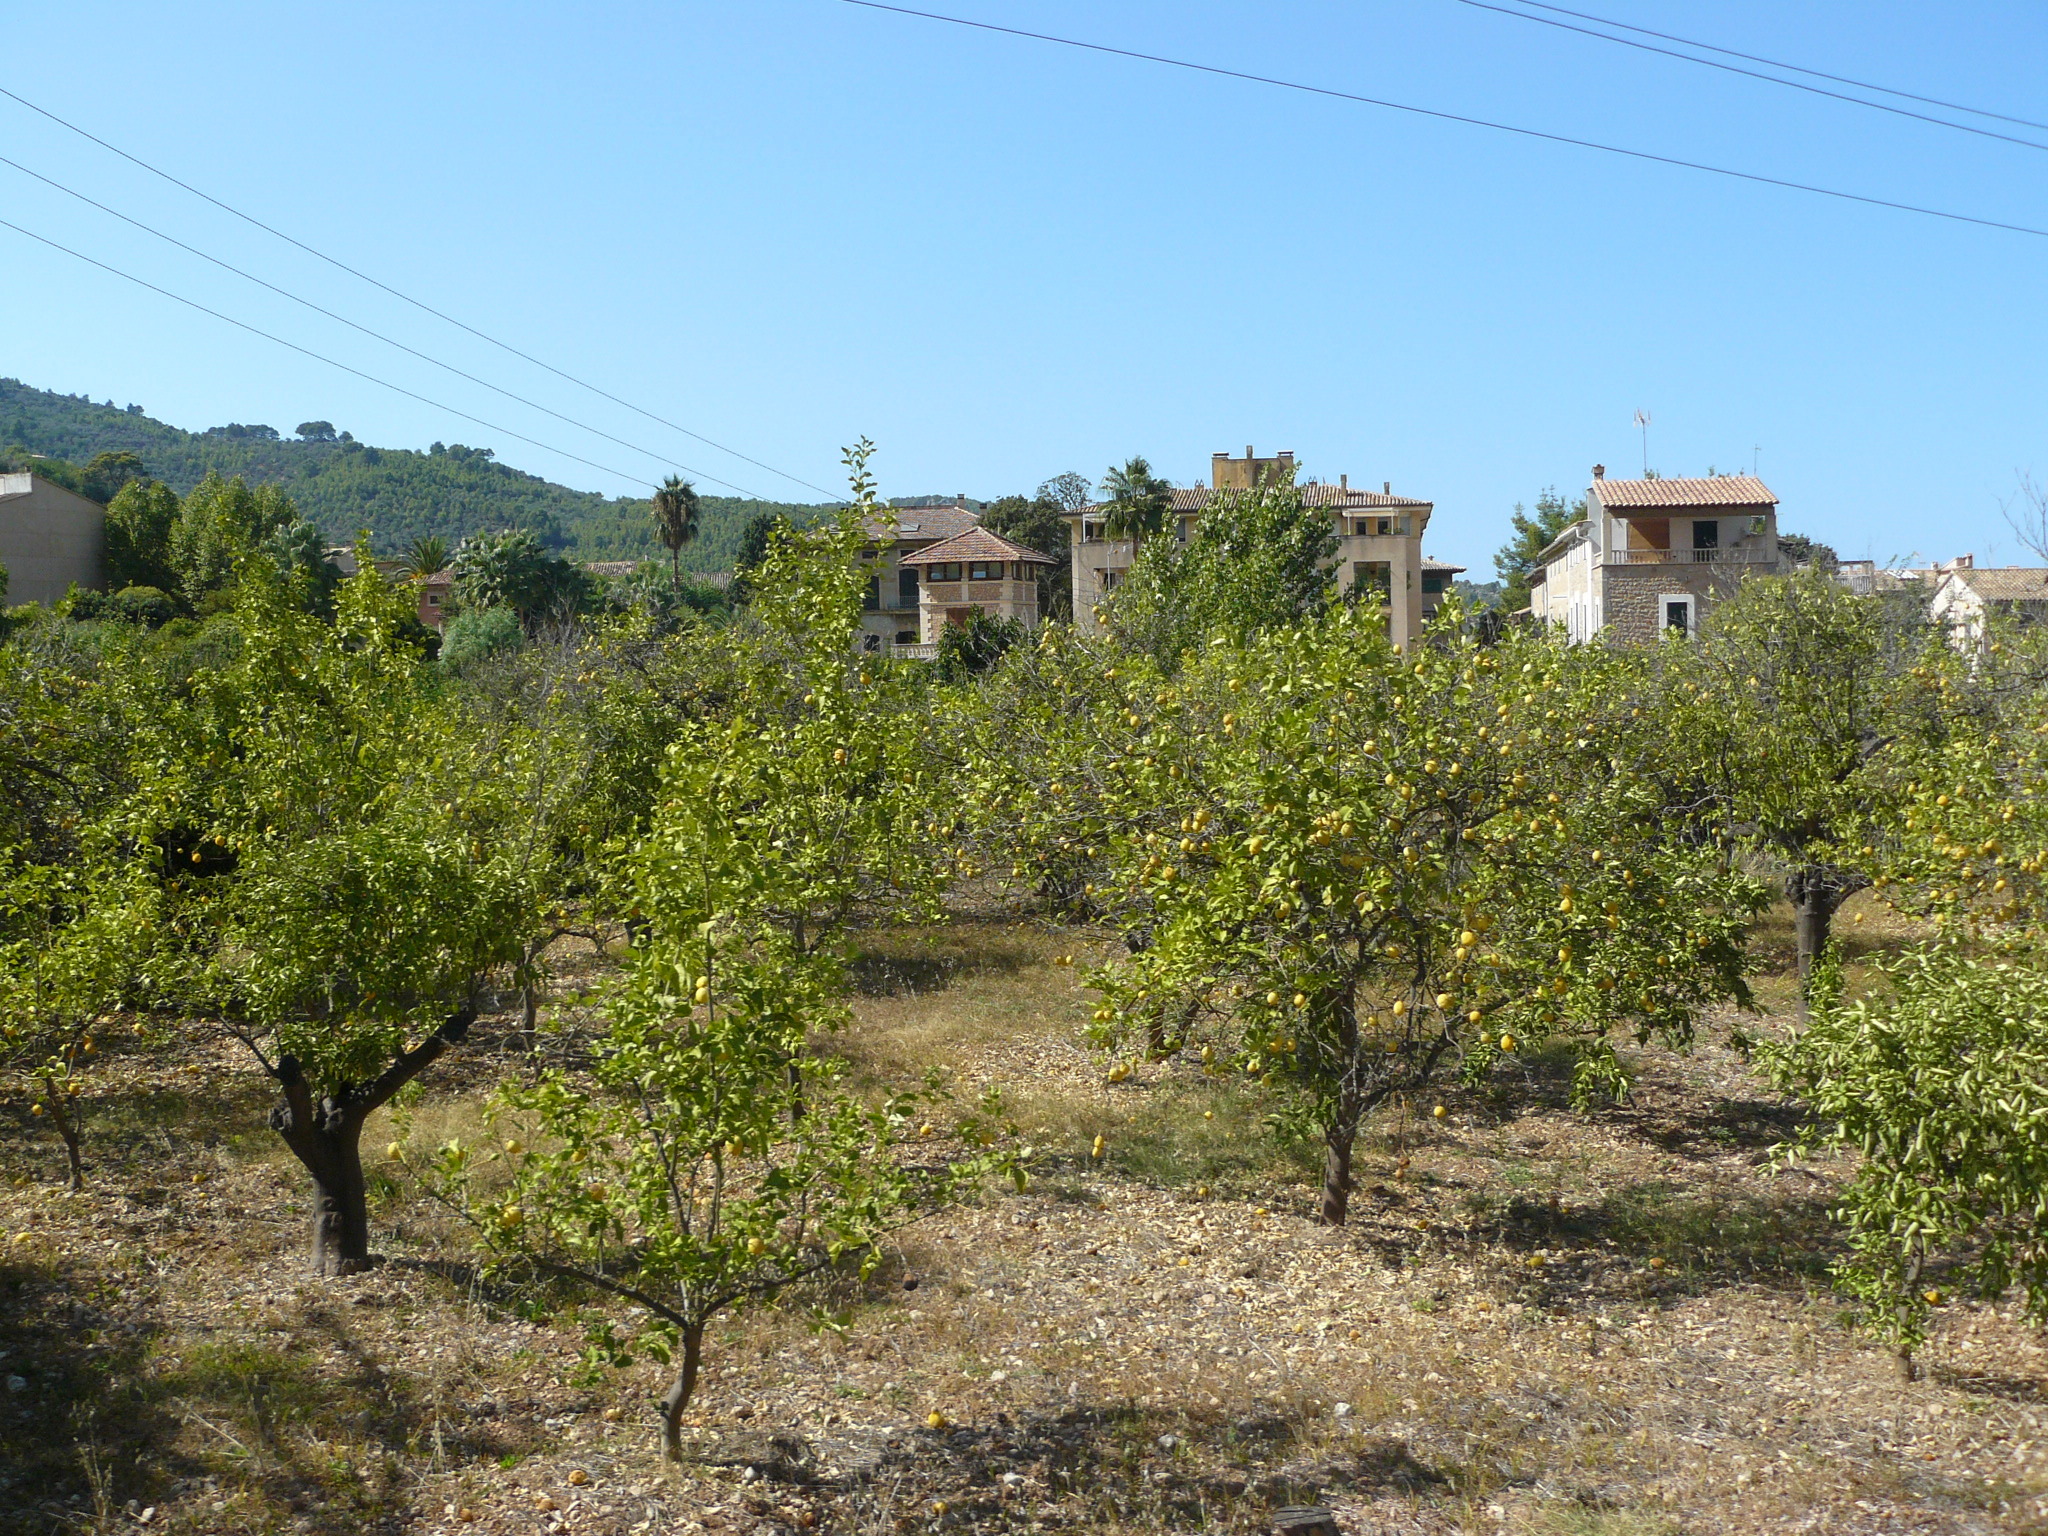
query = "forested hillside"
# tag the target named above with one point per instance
(399, 494)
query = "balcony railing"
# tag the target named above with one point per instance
(1740, 555)
(915, 652)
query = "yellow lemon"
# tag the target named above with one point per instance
(1439, 1112)
(1507, 1042)
(937, 1420)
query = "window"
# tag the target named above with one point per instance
(872, 599)
(1091, 533)
(1373, 579)
(1678, 614)
(985, 570)
(1432, 582)
(906, 637)
(906, 586)
(1110, 579)
(1706, 533)
(871, 642)
(944, 573)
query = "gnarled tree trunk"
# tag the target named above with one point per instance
(327, 1138)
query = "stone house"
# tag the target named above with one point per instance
(1966, 597)
(1651, 555)
(50, 539)
(1379, 541)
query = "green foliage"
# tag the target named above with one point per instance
(729, 1155)
(148, 606)
(515, 570)
(219, 525)
(1256, 560)
(970, 649)
(478, 634)
(1039, 523)
(1137, 501)
(760, 531)
(1515, 562)
(140, 522)
(1939, 1082)
(425, 556)
(1346, 871)
(678, 513)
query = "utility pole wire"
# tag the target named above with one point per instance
(660, 458)
(243, 325)
(1753, 74)
(1818, 74)
(1455, 117)
(339, 265)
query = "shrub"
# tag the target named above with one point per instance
(479, 635)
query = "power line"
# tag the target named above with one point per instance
(421, 305)
(243, 325)
(1753, 74)
(317, 309)
(1797, 69)
(1455, 117)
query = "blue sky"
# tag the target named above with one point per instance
(787, 223)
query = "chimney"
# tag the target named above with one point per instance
(1599, 471)
(1386, 487)
(1248, 451)
(1343, 482)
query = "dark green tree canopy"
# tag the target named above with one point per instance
(1515, 562)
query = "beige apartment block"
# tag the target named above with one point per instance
(1379, 542)
(1650, 556)
(49, 539)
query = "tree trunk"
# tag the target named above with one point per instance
(680, 1391)
(1340, 1132)
(1816, 892)
(65, 1119)
(326, 1137)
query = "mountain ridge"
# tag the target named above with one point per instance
(399, 494)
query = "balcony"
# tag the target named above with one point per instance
(915, 652)
(1740, 555)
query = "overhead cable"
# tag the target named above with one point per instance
(1457, 117)
(419, 304)
(243, 325)
(660, 458)
(1753, 74)
(1797, 69)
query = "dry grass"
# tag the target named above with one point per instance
(1609, 1325)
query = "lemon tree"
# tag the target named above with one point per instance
(725, 1155)
(1786, 717)
(333, 888)
(1353, 870)
(1938, 1079)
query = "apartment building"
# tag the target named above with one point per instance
(1379, 541)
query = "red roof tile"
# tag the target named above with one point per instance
(1718, 491)
(976, 544)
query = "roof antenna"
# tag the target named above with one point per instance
(1643, 421)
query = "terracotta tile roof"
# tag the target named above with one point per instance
(1438, 565)
(1719, 491)
(976, 544)
(438, 579)
(2006, 583)
(926, 523)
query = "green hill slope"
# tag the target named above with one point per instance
(398, 494)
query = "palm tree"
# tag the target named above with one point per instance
(425, 556)
(676, 510)
(1138, 501)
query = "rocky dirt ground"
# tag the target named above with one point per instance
(1541, 1321)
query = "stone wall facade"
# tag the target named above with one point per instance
(1635, 595)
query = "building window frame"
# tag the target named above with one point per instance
(1667, 603)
